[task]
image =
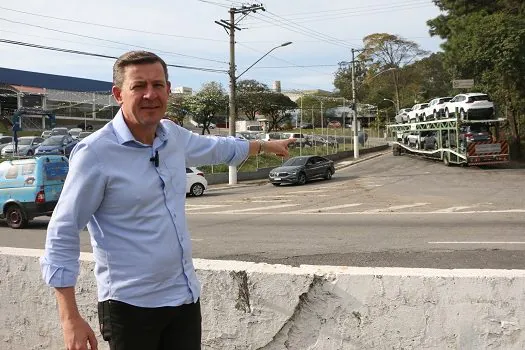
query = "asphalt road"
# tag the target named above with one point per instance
(387, 211)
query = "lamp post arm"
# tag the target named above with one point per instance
(254, 63)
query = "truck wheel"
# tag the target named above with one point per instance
(16, 217)
(446, 159)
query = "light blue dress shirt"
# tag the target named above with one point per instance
(134, 212)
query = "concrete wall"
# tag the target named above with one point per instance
(274, 307)
(262, 173)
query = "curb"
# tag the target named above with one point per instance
(339, 165)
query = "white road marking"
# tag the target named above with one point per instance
(391, 213)
(190, 207)
(394, 207)
(236, 211)
(488, 242)
(323, 209)
(305, 191)
(452, 209)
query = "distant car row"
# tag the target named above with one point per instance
(35, 145)
(75, 133)
(473, 105)
(303, 140)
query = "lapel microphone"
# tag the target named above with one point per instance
(155, 159)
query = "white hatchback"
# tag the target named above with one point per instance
(196, 183)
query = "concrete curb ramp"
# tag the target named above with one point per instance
(273, 307)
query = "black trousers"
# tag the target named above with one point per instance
(128, 327)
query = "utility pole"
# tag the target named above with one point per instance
(354, 108)
(230, 27)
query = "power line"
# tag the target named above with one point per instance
(283, 60)
(298, 30)
(308, 29)
(110, 41)
(19, 43)
(354, 8)
(110, 26)
(349, 14)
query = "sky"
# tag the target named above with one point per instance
(184, 32)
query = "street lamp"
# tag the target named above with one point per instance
(232, 169)
(393, 102)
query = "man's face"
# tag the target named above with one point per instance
(144, 94)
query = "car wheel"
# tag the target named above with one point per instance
(197, 189)
(417, 145)
(462, 114)
(276, 184)
(301, 179)
(435, 145)
(435, 115)
(16, 217)
(29, 153)
(328, 174)
(447, 114)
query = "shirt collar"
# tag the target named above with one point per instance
(124, 135)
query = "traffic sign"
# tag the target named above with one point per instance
(462, 83)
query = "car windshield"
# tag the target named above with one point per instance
(24, 142)
(74, 132)
(53, 141)
(295, 161)
(478, 98)
(443, 100)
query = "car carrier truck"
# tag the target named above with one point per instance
(456, 140)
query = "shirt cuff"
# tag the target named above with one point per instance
(58, 276)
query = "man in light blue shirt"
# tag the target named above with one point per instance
(127, 183)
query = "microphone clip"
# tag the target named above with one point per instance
(155, 159)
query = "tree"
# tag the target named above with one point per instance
(311, 105)
(210, 101)
(251, 95)
(276, 109)
(175, 111)
(485, 41)
(383, 51)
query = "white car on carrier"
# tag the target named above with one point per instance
(470, 106)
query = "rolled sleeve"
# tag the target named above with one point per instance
(81, 196)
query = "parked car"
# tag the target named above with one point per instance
(196, 183)
(300, 139)
(59, 131)
(436, 108)
(45, 134)
(306, 126)
(75, 132)
(84, 134)
(26, 146)
(402, 115)
(416, 114)
(470, 106)
(299, 170)
(334, 124)
(59, 144)
(5, 140)
(30, 187)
